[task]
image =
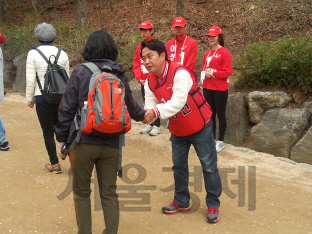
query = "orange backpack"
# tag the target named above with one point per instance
(105, 113)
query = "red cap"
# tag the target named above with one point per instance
(214, 31)
(179, 22)
(146, 25)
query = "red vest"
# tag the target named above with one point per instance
(194, 115)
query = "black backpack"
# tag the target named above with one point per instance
(55, 80)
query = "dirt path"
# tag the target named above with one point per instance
(262, 194)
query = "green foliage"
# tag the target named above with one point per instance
(19, 39)
(284, 63)
(127, 44)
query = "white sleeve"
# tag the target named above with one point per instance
(150, 98)
(182, 84)
(30, 76)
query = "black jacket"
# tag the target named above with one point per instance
(77, 92)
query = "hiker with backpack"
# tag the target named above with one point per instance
(99, 101)
(36, 74)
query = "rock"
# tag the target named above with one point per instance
(278, 131)
(20, 80)
(299, 97)
(308, 105)
(237, 120)
(136, 91)
(260, 102)
(301, 152)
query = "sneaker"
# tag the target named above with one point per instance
(147, 129)
(56, 168)
(4, 146)
(220, 146)
(175, 208)
(155, 131)
(213, 215)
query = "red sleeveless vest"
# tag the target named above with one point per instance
(194, 115)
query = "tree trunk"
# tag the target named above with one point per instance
(1, 11)
(82, 13)
(180, 7)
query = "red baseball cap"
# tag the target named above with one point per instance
(146, 25)
(179, 22)
(214, 31)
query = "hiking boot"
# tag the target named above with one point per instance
(155, 131)
(175, 208)
(4, 146)
(56, 168)
(147, 129)
(220, 146)
(213, 215)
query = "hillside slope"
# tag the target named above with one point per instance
(243, 21)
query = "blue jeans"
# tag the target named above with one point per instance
(204, 144)
(2, 132)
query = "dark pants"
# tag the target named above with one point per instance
(105, 159)
(157, 121)
(217, 101)
(47, 115)
(204, 145)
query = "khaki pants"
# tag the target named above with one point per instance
(82, 160)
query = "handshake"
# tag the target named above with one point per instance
(149, 117)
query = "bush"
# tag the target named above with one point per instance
(127, 44)
(284, 63)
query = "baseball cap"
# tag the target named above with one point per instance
(146, 25)
(179, 22)
(214, 31)
(45, 32)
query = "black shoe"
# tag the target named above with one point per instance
(4, 146)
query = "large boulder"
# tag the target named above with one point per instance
(20, 80)
(301, 152)
(237, 120)
(260, 102)
(278, 131)
(308, 105)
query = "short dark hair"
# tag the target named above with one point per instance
(45, 41)
(221, 40)
(155, 45)
(100, 45)
(150, 29)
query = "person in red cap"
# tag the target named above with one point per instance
(215, 72)
(141, 74)
(182, 49)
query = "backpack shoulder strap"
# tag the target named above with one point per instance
(43, 56)
(92, 67)
(57, 56)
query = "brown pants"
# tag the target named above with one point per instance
(82, 160)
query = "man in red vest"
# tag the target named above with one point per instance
(182, 49)
(141, 74)
(171, 92)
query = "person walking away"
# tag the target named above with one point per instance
(215, 72)
(4, 144)
(170, 92)
(182, 49)
(101, 152)
(141, 74)
(37, 66)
